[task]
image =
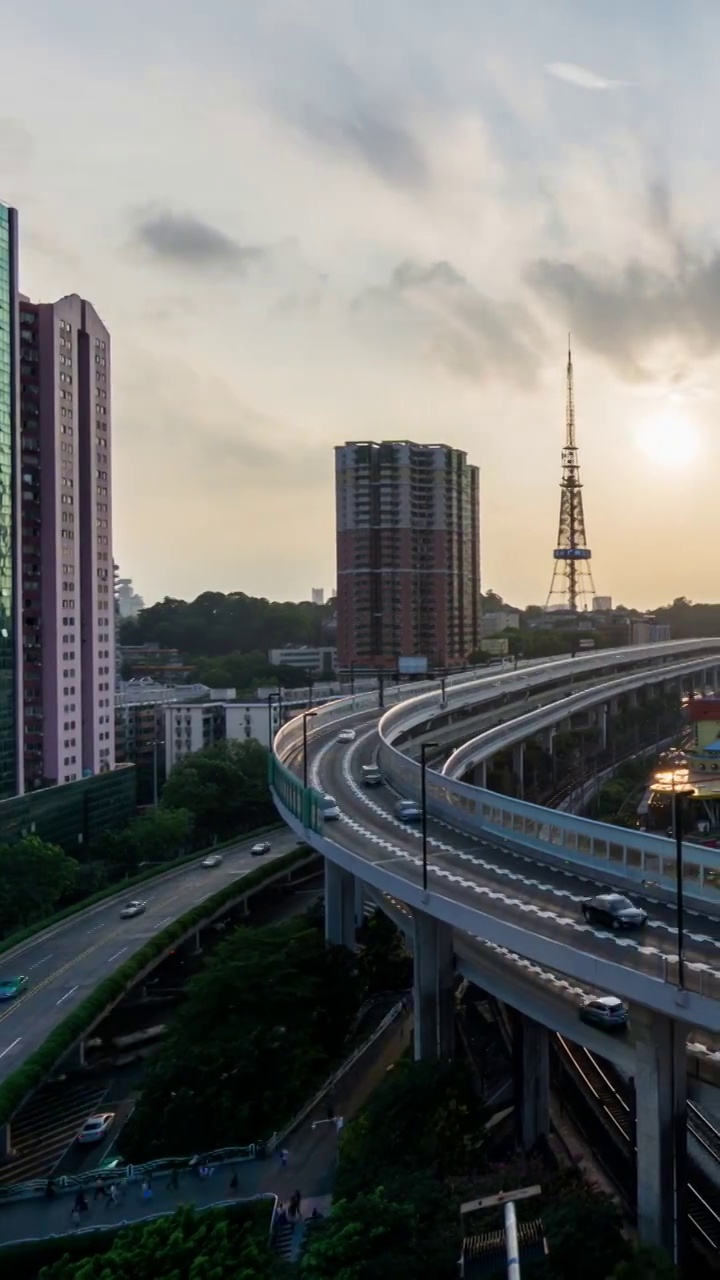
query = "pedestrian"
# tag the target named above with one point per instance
(81, 1203)
(234, 1182)
(100, 1192)
(284, 1158)
(75, 1217)
(174, 1180)
(146, 1189)
(114, 1194)
(50, 1191)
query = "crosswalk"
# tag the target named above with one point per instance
(45, 1127)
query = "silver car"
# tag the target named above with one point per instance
(133, 909)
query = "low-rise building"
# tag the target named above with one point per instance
(501, 620)
(318, 661)
(191, 726)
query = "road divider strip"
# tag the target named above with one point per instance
(39, 1064)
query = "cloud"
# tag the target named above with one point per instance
(377, 139)
(582, 78)
(189, 242)
(469, 334)
(627, 315)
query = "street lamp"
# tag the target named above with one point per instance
(352, 677)
(270, 699)
(424, 748)
(677, 782)
(307, 715)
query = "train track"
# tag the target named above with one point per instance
(614, 1098)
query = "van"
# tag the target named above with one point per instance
(371, 775)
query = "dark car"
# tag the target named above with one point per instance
(262, 846)
(614, 911)
(606, 1012)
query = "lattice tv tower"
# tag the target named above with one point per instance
(572, 584)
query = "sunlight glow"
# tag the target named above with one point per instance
(669, 438)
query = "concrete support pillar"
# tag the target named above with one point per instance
(434, 989)
(478, 775)
(531, 1072)
(197, 945)
(661, 1133)
(518, 766)
(603, 716)
(359, 903)
(339, 906)
(631, 697)
(6, 1148)
(80, 1054)
(547, 737)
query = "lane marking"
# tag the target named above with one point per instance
(39, 962)
(494, 895)
(66, 996)
(117, 953)
(10, 1046)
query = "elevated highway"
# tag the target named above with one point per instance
(500, 897)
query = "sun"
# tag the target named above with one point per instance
(669, 438)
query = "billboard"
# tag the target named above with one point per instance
(499, 648)
(586, 643)
(414, 666)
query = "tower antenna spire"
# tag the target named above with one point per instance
(572, 583)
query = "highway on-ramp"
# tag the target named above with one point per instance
(65, 963)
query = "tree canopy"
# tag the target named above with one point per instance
(35, 879)
(261, 1025)
(224, 788)
(215, 624)
(211, 1245)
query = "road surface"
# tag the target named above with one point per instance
(66, 962)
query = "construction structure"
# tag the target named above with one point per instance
(572, 585)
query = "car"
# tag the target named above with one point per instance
(408, 811)
(607, 1012)
(11, 987)
(263, 846)
(615, 911)
(212, 860)
(346, 735)
(132, 909)
(95, 1127)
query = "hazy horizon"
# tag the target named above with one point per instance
(306, 223)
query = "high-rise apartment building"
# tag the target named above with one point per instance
(408, 554)
(67, 564)
(11, 759)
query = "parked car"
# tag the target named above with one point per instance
(408, 811)
(346, 735)
(615, 911)
(95, 1128)
(212, 860)
(607, 1012)
(263, 846)
(11, 987)
(132, 909)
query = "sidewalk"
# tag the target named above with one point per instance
(310, 1169)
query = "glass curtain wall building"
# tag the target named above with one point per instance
(10, 685)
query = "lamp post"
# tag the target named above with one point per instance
(677, 782)
(307, 715)
(424, 748)
(270, 699)
(352, 677)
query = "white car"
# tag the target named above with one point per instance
(257, 851)
(212, 860)
(95, 1128)
(347, 735)
(132, 909)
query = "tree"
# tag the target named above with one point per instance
(215, 624)
(645, 1264)
(187, 1245)
(386, 1140)
(383, 960)
(223, 787)
(584, 1230)
(35, 878)
(261, 1026)
(409, 1230)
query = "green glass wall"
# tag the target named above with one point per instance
(8, 312)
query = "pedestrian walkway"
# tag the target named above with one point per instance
(310, 1166)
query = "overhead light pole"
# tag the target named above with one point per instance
(424, 748)
(307, 715)
(676, 781)
(270, 699)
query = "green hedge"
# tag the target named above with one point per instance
(24, 1261)
(40, 1063)
(112, 891)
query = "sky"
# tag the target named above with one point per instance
(311, 221)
